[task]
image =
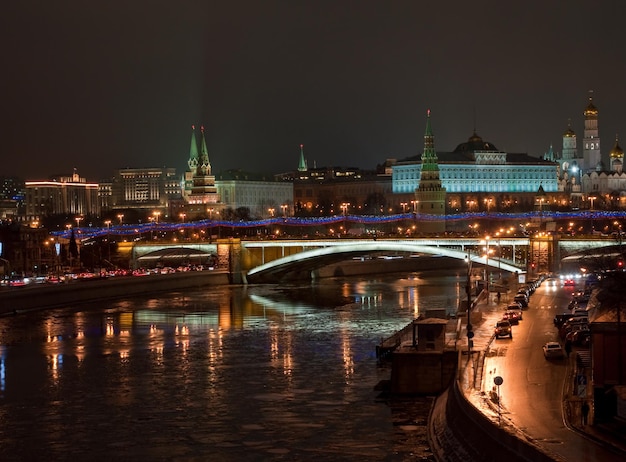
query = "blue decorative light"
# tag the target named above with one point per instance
(137, 229)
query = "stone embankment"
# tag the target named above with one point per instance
(39, 296)
(458, 431)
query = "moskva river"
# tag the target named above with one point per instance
(225, 374)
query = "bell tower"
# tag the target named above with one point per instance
(592, 158)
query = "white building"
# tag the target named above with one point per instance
(262, 195)
(70, 195)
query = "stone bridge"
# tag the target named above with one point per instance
(258, 261)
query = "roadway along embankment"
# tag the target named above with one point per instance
(460, 431)
(40, 296)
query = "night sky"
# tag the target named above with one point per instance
(98, 86)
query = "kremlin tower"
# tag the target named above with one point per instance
(200, 191)
(430, 195)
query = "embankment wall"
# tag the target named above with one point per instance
(16, 299)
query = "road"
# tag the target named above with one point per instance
(532, 392)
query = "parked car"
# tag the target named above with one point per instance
(576, 331)
(515, 307)
(553, 350)
(522, 300)
(560, 319)
(582, 338)
(573, 324)
(503, 329)
(512, 316)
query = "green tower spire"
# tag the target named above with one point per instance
(302, 165)
(429, 177)
(204, 164)
(430, 196)
(193, 151)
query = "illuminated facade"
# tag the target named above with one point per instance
(71, 195)
(478, 166)
(141, 189)
(261, 195)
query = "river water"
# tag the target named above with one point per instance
(226, 374)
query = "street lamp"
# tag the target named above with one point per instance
(271, 211)
(120, 217)
(488, 202)
(210, 212)
(344, 208)
(78, 219)
(108, 223)
(183, 216)
(284, 207)
(499, 234)
(468, 289)
(591, 199)
(487, 263)
(403, 204)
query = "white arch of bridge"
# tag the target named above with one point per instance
(363, 247)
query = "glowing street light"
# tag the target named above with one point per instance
(156, 215)
(488, 202)
(487, 263)
(78, 219)
(591, 199)
(344, 208)
(183, 216)
(108, 223)
(403, 204)
(271, 211)
(120, 217)
(284, 207)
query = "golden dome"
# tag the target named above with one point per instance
(475, 139)
(617, 152)
(591, 109)
(569, 133)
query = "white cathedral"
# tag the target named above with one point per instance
(587, 174)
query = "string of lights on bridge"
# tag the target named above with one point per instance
(137, 229)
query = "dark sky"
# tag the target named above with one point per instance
(113, 84)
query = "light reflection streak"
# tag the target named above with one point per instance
(56, 363)
(80, 353)
(282, 362)
(183, 341)
(215, 352)
(414, 296)
(274, 350)
(348, 360)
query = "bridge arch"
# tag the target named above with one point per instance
(153, 255)
(303, 264)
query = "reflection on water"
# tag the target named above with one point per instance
(225, 373)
